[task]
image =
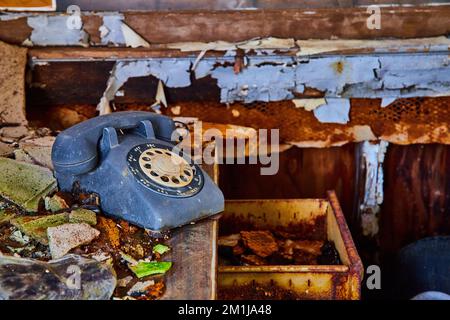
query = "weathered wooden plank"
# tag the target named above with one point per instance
(416, 195)
(173, 5)
(79, 82)
(69, 83)
(14, 31)
(238, 25)
(349, 23)
(193, 275)
(31, 5)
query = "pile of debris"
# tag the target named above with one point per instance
(56, 245)
(263, 247)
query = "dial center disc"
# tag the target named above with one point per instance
(163, 163)
(166, 168)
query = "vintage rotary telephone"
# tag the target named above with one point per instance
(128, 158)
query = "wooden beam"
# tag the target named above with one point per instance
(174, 5)
(236, 25)
(348, 23)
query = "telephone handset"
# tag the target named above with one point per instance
(128, 158)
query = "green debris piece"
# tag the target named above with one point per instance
(25, 184)
(160, 249)
(143, 269)
(36, 226)
(17, 236)
(6, 216)
(128, 258)
(55, 203)
(83, 215)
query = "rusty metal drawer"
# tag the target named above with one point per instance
(313, 216)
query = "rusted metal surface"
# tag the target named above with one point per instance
(405, 121)
(355, 267)
(307, 282)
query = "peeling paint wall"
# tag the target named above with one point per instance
(276, 78)
(172, 72)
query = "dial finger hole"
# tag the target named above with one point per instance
(151, 154)
(146, 158)
(147, 166)
(175, 180)
(165, 178)
(158, 151)
(187, 172)
(183, 178)
(153, 173)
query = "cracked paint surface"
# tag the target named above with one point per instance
(54, 31)
(172, 72)
(280, 78)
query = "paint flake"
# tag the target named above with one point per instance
(132, 39)
(311, 47)
(309, 104)
(54, 31)
(334, 111)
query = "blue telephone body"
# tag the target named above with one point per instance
(129, 160)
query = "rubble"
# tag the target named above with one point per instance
(69, 278)
(231, 240)
(100, 256)
(19, 237)
(36, 226)
(83, 215)
(55, 203)
(6, 149)
(262, 248)
(124, 281)
(65, 237)
(253, 259)
(110, 230)
(262, 243)
(25, 184)
(145, 291)
(38, 150)
(160, 249)
(139, 287)
(6, 215)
